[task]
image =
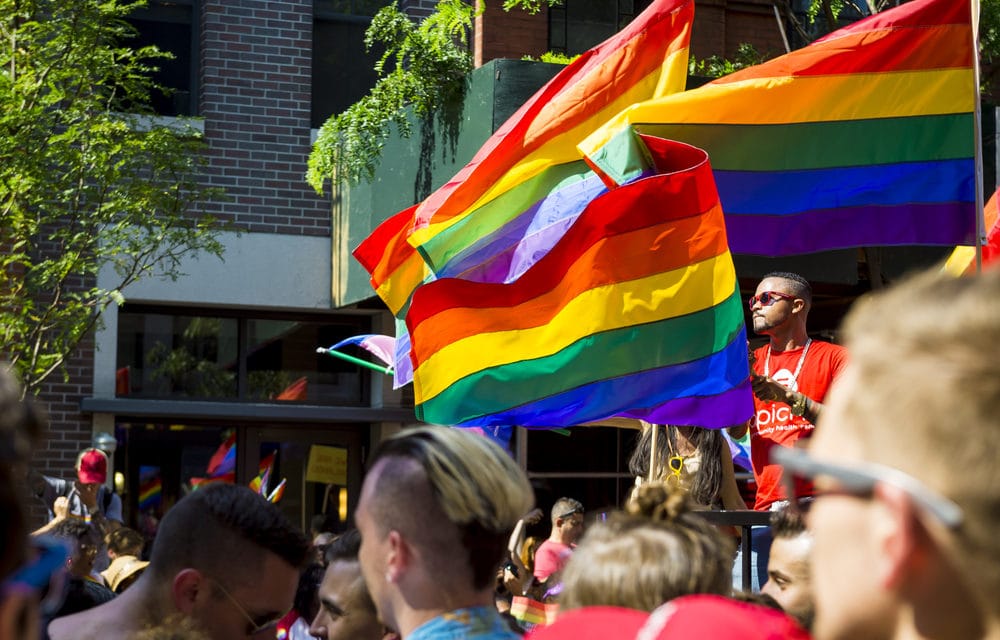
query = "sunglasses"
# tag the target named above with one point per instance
(767, 298)
(254, 626)
(859, 480)
(44, 573)
(569, 513)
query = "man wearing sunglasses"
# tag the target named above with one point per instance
(223, 557)
(567, 527)
(907, 510)
(791, 376)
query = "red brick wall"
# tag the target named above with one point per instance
(255, 99)
(720, 27)
(509, 34)
(69, 430)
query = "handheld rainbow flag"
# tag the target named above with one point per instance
(634, 312)
(534, 153)
(223, 461)
(264, 468)
(528, 179)
(865, 137)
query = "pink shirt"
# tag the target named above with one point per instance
(550, 558)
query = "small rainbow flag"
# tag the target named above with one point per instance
(150, 487)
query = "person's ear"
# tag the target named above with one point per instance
(185, 589)
(899, 534)
(400, 557)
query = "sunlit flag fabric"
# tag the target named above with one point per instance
(962, 260)
(635, 312)
(528, 179)
(865, 137)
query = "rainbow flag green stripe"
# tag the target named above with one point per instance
(825, 145)
(608, 354)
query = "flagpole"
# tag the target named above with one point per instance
(978, 132)
(652, 452)
(357, 361)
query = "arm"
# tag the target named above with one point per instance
(768, 389)
(61, 508)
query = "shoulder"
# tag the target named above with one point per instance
(91, 624)
(835, 354)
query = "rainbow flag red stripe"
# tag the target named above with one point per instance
(634, 312)
(865, 137)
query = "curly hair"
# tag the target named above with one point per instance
(654, 551)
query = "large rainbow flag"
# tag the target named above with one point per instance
(865, 137)
(635, 312)
(528, 178)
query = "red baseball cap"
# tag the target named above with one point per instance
(696, 616)
(92, 466)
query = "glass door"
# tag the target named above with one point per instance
(317, 471)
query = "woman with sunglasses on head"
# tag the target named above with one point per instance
(695, 459)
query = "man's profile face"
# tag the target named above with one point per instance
(372, 555)
(788, 580)
(850, 602)
(250, 601)
(344, 610)
(572, 528)
(767, 318)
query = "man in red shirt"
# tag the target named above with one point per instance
(567, 527)
(792, 374)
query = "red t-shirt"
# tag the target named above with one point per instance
(775, 424)
(551, 557)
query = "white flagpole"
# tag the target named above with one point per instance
(978, 132)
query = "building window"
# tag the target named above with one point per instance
(342, 71)
(171, 26)
(578, 25)
(167, 355)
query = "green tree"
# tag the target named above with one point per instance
(424, 70)
(89, 181)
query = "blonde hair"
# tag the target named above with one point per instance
(655, 551)
(921, 394)
(430, 474)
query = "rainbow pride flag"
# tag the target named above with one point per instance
(865, 137)
(635, 312)
(528, 178)
(150, 488)
(534, 153)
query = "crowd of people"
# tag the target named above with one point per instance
(883, 518)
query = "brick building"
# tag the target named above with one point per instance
(230, 347)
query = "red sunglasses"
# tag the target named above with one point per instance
(767, 298)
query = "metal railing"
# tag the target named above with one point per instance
(745, 520)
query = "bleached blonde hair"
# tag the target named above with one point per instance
(429, 474)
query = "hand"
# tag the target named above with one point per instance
(534, 516)
(61, 507)
(770, 390)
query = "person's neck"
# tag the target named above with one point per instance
(412, 618)
(794, 338)
(557, 537)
